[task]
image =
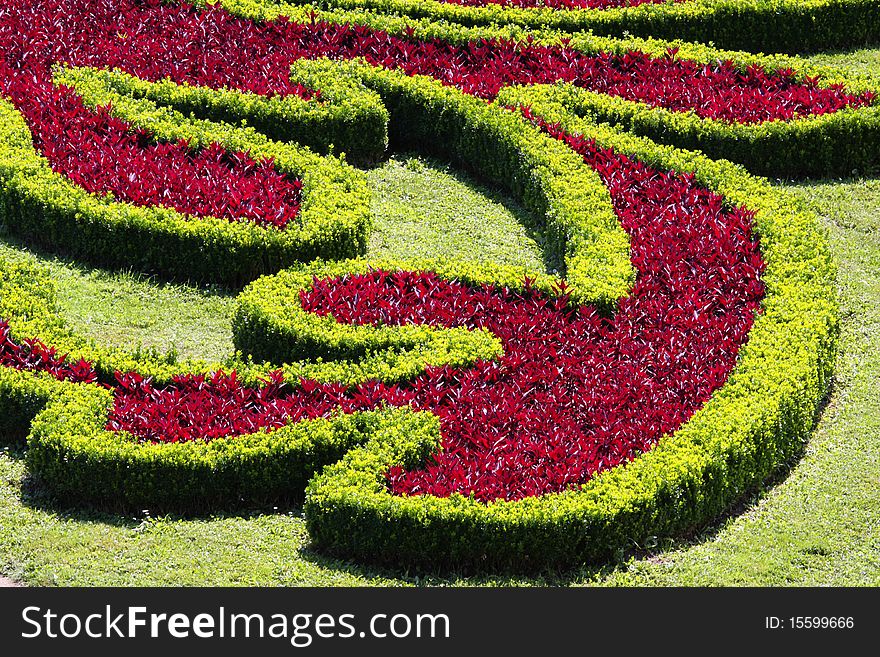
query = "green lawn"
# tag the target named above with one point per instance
(818, 525)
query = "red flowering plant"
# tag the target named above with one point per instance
(31, 355)
(559, 399)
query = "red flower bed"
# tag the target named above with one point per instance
(103, 154)
(558, 4)
(574, 393)
(155, 40)
(31, 355)
(198, 407)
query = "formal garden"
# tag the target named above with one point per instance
(432, 292)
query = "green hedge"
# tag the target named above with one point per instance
(22, 396)
(838, 144)
(270, 324)
(346, 118)
(84, 464)
(549, 179)
(28, 304)
(47, 209)
(829, 145)
(750, 427)
(754, 25)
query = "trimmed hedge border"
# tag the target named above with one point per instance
(541, 169)
(28, 303)
(543, 174)
(790, 26)
(347, 118)
(838, 144)
(22, 396)
(751, 427)
(271, 325)
(46, 208)
(83, 463)
(551, 181)
(827, 145)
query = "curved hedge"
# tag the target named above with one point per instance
(550, 181)
(790, 26)
(271, 325)
(29, 306)
(539, 169)
(83, 463)
(831, 144)
(347, 118)
(750, 427)
(48, 209)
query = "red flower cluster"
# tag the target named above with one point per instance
(31, 355)
(199, 407)
(575, 393)
(558, 4)
(154, 40)
(196, 407)
(103, 154)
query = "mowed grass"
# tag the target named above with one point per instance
(424, 209)
(130, 310)
(817, 525)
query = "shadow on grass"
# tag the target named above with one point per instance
(69, 259)
(37, 498)
(464, 577)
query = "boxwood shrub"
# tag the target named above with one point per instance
(828, 145)
(348, 118)
(755, 25)
(751, 426)
(82, 463)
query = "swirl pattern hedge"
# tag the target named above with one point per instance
(424, 413)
